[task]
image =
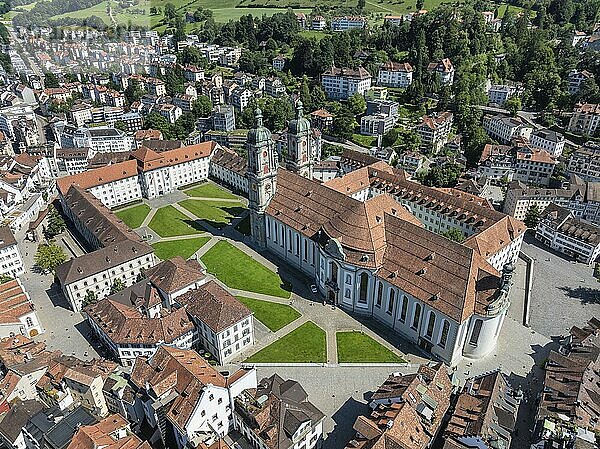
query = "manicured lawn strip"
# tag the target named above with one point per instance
(209, 190)
(169, 222)
(306, 344)
(218, 214)
(238, 270)
(184, 247)
(134, 216)
(271, 314)
(357, 347)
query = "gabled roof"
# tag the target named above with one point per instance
(214, 306)
(175, 274)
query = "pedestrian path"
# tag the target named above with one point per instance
(224, 200)
(148, 218)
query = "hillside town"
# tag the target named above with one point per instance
(317, 228)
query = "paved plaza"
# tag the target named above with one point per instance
(564, 293)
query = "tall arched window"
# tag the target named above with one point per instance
(364, 287)
(444, 334)
(404, 309)
(430, 324)
(476, 331)
(416, 316)
(379, 294)
(334, 272)
(391, 300)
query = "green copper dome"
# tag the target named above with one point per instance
(260, 134)
(299, 125)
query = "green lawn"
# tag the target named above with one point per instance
(134, 216)
(215, 213)
(184, 248)
(169, 222)
(356, 347)
(238, 270)
(365, 141)
(244, 225)
(271, 314)
(210, 190)
(306, 344)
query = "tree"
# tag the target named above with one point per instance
(121, 125)
(344, 125)
(357, 104)
(51, 80)
(445, 176)
(202, 106)
(532, 217)
(56, 223)
(361, 4)
(454, 234)
(90, 298)
(117, 286)
(4, 278)
(134, 91)
(513, 104)
(49, 256)
(169, 11)
(390, 138)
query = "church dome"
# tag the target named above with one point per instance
(259, 134)
(300, 124)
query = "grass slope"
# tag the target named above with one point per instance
(209, 190)
(185, 248)
(356, 347)
(306, 344)
(271, 314)
(217, 214)
(134, 216)
(169, 222)
(238, 270)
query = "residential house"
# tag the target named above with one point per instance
(17, 312)
(444, 70)
(395, 74)
(342, 83)
(585, 119)
(577, 78)
(505, 129)
(434, 130)
(346, 23)
(278, 415)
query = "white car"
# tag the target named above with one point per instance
(313, 288)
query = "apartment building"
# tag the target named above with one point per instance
(178, 392)
(277, 414)
(11, 263)
(224, 325)
(102, 139)
(17, 312)
(395, 74)
(505, 129)
(223, 118)
(499, 93)
(342, 83)
(585, 162)
(406, 411)
(377, 124)
(585, 119)
(346, 23)
(576, 79)
(546, 139)
(560, 230)
(517, 162)
(434, 130)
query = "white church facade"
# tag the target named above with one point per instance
(371, 241)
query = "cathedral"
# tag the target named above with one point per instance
(371, 240)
